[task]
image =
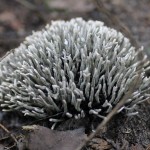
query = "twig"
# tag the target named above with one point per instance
(4, 138)
(8, 148)
(132, 88)
(27, 4)
(11, 135)
(148, 147)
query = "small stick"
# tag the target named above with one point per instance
(27, 4)
(11, 135)
(4, 138)
(8, 148)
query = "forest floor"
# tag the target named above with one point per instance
(18, 18)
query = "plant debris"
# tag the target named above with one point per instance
(39, 137)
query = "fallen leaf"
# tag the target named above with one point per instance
(39, 137)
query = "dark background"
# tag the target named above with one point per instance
(18, 18)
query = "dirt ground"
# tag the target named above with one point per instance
(18, 18)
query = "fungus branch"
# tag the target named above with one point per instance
(132, 88)
(117, 23)
(77, 68)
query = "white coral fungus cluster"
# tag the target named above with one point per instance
(73, 68)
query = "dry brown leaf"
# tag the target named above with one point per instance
(39, 138)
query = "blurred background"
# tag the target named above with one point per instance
(18, 18)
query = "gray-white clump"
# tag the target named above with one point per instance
(73, 69)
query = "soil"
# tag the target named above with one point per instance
(18, 18)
